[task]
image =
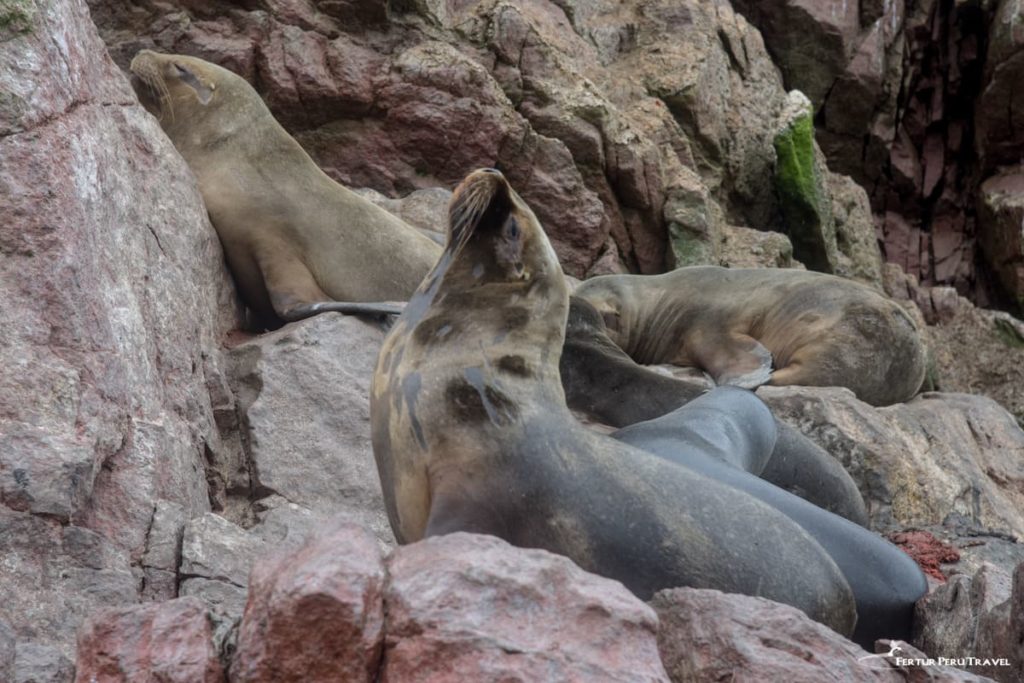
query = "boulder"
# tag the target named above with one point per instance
(468, 607)
(706, 635)
(594, 110)
(969, 616)
(811, 42)
(998, 118)
(41, 663)
(800, 181)
(1001, 229)
(972, 350)
(113, 311)
(216, 556)
(321, 366)
(168, 641)
(315, 614)
(710, 635)
(918, 462)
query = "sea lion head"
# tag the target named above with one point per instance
(605, 298)
(493, 232)
(492, 311)
(496, 257)
(178, 87)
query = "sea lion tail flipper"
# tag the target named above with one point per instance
(735, 359)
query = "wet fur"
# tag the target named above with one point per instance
(471, 433)
(601, 381)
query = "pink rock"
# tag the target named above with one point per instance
(114, 293)
(708, 635)
(169, 642)
(466, 607)
(316, 614)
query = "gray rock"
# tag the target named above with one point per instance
(707, 635)
(53, 576)
(7, 651)
(214, 548)
(222, 597)
(919, 462)
(163, 543)
(115, 299)
(318, 367)
(159, 584)
(40, 663)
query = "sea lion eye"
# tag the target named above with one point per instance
(512, 229)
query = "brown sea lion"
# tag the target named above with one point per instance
(471, 432)
(751, 326)
(605, 384)
(297, 242)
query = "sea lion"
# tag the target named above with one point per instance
(751, 326)
(707, 433)
(471, 433)
(605, 384)
(297, 242)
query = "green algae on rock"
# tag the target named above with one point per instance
(799, 183)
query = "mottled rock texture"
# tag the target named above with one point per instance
(915, 100)
(114, 298)
(169, 641)
(706, 635)
(315, 615)
(142, 461)
(638, 132)
(468, 607)
(972, 350)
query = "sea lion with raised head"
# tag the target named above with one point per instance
(605, 384)
(709, 435)
(751, 326)
(471, 433)
(297, 242)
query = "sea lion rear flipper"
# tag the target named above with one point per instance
(376, 309)
(295, 294)
(736, 359)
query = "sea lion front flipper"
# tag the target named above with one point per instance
(735, 359)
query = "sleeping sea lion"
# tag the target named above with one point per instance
(605, 384)
(751, 326)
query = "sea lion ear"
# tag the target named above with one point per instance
(481, 204)
(189, 78)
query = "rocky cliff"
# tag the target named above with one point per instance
(151, 453)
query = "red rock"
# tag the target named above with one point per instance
(316, 614)
(466, 607)
(169, 642)
(707, 635)
(928, 551)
